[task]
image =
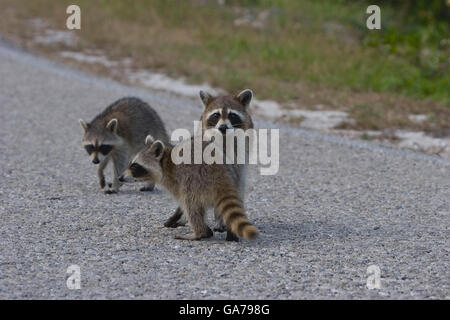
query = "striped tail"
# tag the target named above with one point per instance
(233, 214)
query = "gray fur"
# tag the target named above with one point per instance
(197, 187)
(124, 125)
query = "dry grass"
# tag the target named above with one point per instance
(299, 57)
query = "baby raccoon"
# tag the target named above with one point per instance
(226, 112)
(118, 133)
(222, 113)
(196, 187)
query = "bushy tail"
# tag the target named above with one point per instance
(233, 214)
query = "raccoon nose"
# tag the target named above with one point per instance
(95, 161)
(223, 128)
(121, 179)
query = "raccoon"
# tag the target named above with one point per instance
(117, 134)
(196, 187)
(226, 112)
(223, 113)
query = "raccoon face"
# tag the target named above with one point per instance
(100, 143)
(223, 119)
(226, 112)
(146, 166)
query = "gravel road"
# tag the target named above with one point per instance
(335, 208)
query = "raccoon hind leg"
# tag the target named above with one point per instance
(232, 210)
(219, 225)
(231, 236)
(196, 218)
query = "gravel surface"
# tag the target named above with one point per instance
(336, 207)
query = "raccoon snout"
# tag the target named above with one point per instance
(95, 161)
(223, 128)
(126, 179)
(126, 176)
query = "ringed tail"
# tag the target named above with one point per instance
(233, 214)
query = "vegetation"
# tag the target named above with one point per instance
(304, 53)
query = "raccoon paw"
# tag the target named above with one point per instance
(103, 184)
(192, 236)
(231, 237)
(110, 191)
(147, 188)
(173, 224)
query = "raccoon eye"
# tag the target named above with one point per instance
(137, 170)
(105, 149)
(89, 148)
(212, 121)
(134, 166)
(234, 119)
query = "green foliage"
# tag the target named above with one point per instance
(410, 54)
(417, 32)
(302, 42)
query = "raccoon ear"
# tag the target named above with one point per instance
(83, 124)
(112, 125)
(157, 149)
(245, 97)
(149, 140)
(206, 97)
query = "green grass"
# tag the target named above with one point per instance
(305, 47)
(295, 46)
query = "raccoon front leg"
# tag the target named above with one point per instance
(119, 166)
(174, 220)
(100, 173)
(196, 218)
(116, 183)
